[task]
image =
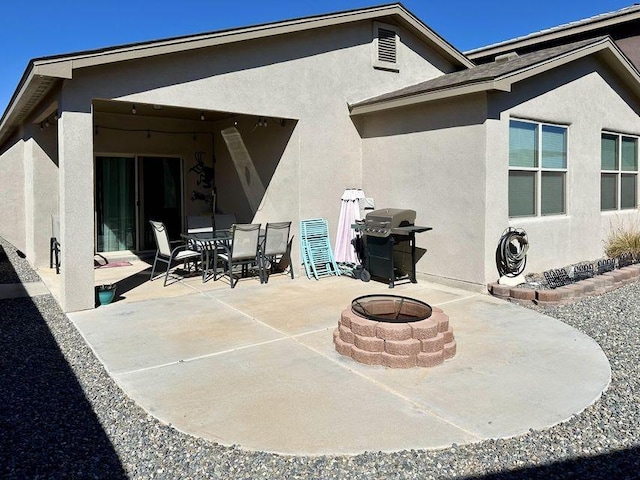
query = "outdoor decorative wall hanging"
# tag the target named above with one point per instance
(206, 180)
(205, 174)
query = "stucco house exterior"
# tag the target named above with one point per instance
(278, 120)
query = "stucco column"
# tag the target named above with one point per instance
(40, 191)
(75, 137)
(29, 193)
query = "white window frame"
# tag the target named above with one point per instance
(380, 64)
(539, 169)
(619, 172)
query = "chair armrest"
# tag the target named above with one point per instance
(178, 248)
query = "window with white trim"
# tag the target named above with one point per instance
(537, 169)
(619, 175)
(385, 47)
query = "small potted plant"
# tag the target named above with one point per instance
(106, 293)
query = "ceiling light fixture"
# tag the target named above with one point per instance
(201, 115)
(133, 109)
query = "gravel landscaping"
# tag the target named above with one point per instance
(62, 416)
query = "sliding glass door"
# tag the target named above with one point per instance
(115, 204)
(161, 195)
(131, 191)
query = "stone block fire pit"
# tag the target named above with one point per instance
(394, 331)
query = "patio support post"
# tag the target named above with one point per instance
(75, 149)
(41, 191)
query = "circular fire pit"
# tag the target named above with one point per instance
(391, 308)
(394, 331)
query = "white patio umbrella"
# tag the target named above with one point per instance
(349, 213)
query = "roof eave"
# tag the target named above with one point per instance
(176, 45)
(425, 97)
(604, 47)
(546, 36)
(63, 66)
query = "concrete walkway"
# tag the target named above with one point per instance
(255, 366)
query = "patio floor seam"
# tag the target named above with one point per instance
(419, 406)
(423, 408)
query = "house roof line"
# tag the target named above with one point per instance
(464, 83)
(425, 97)
(62, 66)
(595, 22)
(188, 42)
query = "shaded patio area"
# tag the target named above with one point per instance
(256, 367)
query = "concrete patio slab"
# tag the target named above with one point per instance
(283, 396)
(134, 336)
(255, 366)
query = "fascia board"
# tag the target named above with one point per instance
(252, 33)
(12, 106)
(437, 40)
(429, 97)
(616, 58)
(133, 52)
(552, 63)
(58, 69)
(541, 37)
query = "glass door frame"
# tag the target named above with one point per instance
(138, 202)
(140, 194)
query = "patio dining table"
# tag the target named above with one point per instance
(208, 244)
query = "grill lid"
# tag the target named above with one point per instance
(391, 217)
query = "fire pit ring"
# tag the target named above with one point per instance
(391, 308)
(394, 331)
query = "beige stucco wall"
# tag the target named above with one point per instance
(29, 179)
(430, 158)
(41, 191)
(587, 98)
(12, 180)
(307, 77)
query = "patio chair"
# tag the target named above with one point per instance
(166, 254)
(199, 226)
(242, 250)
(276, 249)
(54, 243)
(224, 221)
(317, 255)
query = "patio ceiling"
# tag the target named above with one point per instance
(163, 111)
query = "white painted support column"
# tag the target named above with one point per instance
(75, 136)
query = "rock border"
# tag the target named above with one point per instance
(573, 292)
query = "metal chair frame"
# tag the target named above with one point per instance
(276, 247)
(243, 249)
(166, 253)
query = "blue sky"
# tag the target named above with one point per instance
(40, 28)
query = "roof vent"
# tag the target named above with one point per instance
(506, 57)
(386, 45)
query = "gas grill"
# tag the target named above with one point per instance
(389, 244)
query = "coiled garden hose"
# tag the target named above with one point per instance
(511, 254)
